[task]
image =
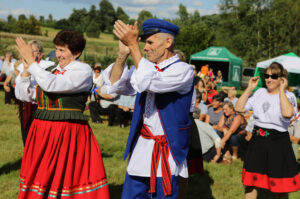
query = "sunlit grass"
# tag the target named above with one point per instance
(218, 182)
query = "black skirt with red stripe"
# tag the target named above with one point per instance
(270, 162)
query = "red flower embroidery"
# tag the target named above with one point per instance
(261, 132)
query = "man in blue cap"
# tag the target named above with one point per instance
(159, 136)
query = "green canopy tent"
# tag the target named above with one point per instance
(290, 61)
(220, 58)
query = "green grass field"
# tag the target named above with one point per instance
(218, 181)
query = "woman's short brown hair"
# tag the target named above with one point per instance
(229, 104)
(277, 68)
(73, 39)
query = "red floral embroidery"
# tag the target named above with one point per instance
(261, 132)
(158, 69)
(57, 72)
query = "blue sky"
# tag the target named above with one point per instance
(63, 8)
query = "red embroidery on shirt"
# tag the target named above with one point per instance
(57, 72)
(158, 69)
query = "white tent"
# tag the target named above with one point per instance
(290, 61)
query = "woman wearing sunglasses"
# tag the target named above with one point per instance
(270, 163)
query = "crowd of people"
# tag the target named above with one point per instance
(178, 114)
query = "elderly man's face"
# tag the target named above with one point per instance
(155, 47)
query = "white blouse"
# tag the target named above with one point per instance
(76, 77)
(267, 110)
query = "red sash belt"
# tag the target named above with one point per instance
(160, 143)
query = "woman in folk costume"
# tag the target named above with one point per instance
(61, 158)
(270, 162)
(27, 103)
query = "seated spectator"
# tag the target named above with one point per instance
(2, 59)
(10, 83)
(210, 92)
(196, 77)
(227, 88)
(232, 96)
(214, 112)
(219, 78)
(97, 77)
(211, 74)
(294, 131)
(7, 67)
(210, 141)
(200, 104)
(200, 87)
(107, 106)
(97, 81)
(204, 71)
(229, 126)
(125, 109)
(206, 79)
(246, 135)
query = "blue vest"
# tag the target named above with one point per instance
(173, 110)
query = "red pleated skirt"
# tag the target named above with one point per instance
(62, 159)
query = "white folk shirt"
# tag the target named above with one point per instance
(98, 81)
(76, 77)
(20, 88)
(179, 78)
(267, 110)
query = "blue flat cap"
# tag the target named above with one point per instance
(152, 26)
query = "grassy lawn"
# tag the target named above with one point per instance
(218, 181)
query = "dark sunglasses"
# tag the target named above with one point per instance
(266, 76)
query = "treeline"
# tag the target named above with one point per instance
(22, 25)
(252, 29)
(259, 29)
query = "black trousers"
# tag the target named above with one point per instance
(8, 96)
(96, 110)
(122, 116)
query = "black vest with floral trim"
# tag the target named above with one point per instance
(57, 106)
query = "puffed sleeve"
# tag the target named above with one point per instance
(76, 77)
(178, 77)
(122, 86)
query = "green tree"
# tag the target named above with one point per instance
(93, 30)
(120, 14)
(193, 38)
(3, 25)
(107, 16)
(22, 17)
(11, 24)
(28, 26)
(42, 20)
(196, 17)
(79, 19)
(50, 22)
(144, 15)
(34, 26)
(92, 13)
(62, 24)
(182, 13)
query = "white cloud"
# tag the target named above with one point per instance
(89, 2)
(151, 2)
(15, 12)
(198, 3)
(215, 10)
